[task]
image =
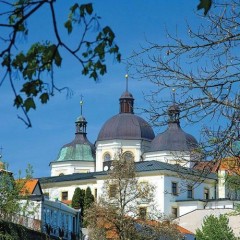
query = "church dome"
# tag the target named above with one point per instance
(80, 149)
(174, 138)
(126, 125)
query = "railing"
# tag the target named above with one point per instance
(60, 233)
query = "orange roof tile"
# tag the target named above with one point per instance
(28, 186)
(68, 202)
(183, 230)
(230, 164)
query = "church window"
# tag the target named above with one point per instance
(64, 196)
(189, 191)
(107, 157)
(206, 193)
(174, 212)
(174, 188)
(128, 156)
(112, 190)
(142, 213)
(95, 193)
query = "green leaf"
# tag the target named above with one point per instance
(18, 101)
(68, 26)
(44, 98)
(94, 75)
(58, 58)
(89, 8)
(74, 7)
(206, 5)
(29, 103)
(5, 61)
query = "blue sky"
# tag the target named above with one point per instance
(133, 22)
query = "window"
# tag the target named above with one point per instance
(107, 157)
(189, 191)
(128, 156)
(142, 212)
(64, 196)
(112, 190)
(174, 212)
(95, 193)
(206, 193)
(174, 188)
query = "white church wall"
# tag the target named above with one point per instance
(55, 191)
(171, 199)
(70, 167)
(116, 147)
(172, 157)
(189, 206)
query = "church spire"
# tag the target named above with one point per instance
(81, 123)
(173, 110)
(126, 100)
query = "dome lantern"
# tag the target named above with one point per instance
(126, 100)
(126, 125)
(80, 148)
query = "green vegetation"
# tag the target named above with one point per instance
(35, 65)
(12, 231)
(215, 228)
(88, 198)
(120, 211)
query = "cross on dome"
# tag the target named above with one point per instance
(126, 77)
(81, 103)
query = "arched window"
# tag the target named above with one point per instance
(128, 156)
(106, 157)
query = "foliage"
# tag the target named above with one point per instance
(11, 192)
(233, 182)
(116, 215)
(215, 228)
(205, 4)
(35, 66)
(78, 199)
(88, 198)
(12, 231)
(201, 65)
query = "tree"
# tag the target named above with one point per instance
(35, 66)
(202, 66)
(9, 196)
(12, 192)
(88, 198)
(215, 228)
(125, 208)
(78, 199)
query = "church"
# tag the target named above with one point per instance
(166, 161)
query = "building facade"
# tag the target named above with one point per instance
(165, 161)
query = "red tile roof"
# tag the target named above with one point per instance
(28, 186)
(230, 164)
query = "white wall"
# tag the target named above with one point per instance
(55, 190)
(115, 147)
(70, 167)
(172, 157)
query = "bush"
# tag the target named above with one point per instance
(12, 231)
